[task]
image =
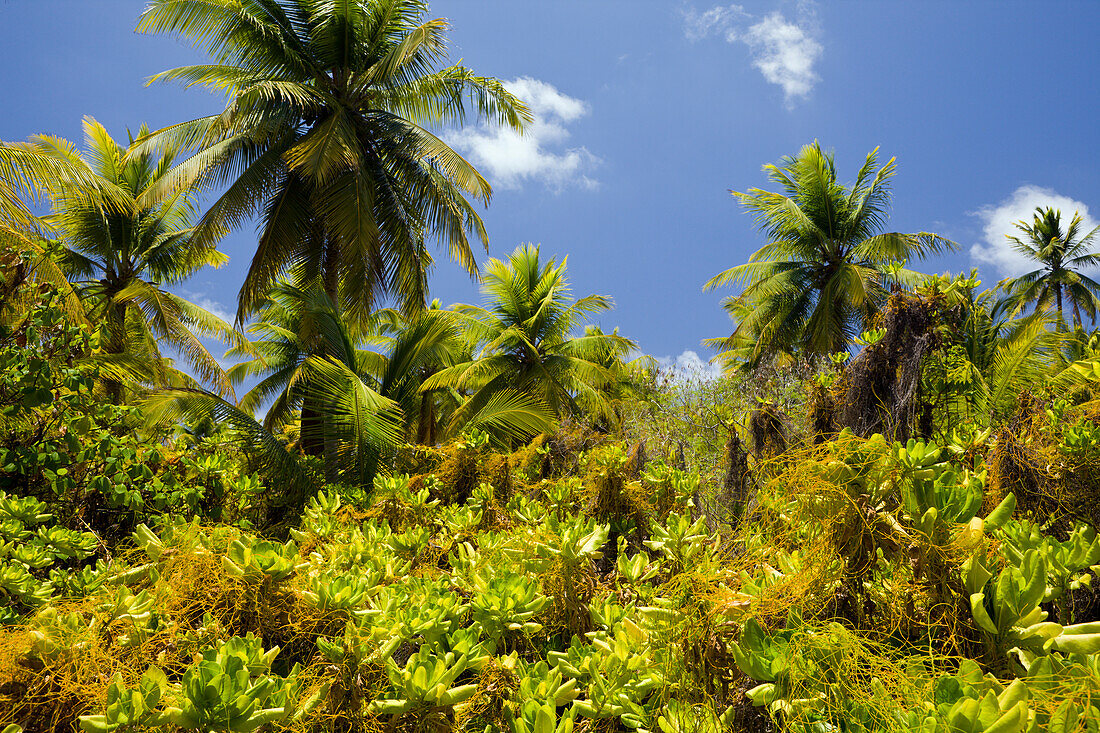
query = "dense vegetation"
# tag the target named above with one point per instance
(480, 518)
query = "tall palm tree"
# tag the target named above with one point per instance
(26, 254)
(119, 258)
(325, 135)
(823, 273)
(525, 342)
(1062, 255)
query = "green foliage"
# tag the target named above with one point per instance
(230, 687)
(130, 709)
(1061, 253)
(636, 577)
(293, 143)
(825, 270)
(506, 603)
(529, 365)
(426, 679)
(261, 561)
(967, 702)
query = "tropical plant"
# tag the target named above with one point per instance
(990, 356)
(310, 361)
(120, 261)
(1062, 254)
(297, 329)
(630, 379)
(26, 256)
(264, 452)
(526, 348)
(824, 272)
(416, 346)
(27, 171)
(325, 136)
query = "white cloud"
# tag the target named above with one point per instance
(1000, 219)
(510, 159)
(209, 304)
(723, 20)
(688, 365)
(785, 55)
(785, 52)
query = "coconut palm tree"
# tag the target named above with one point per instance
(1062, 255)
(119, 258)
(309, 366)
(325, 135)
(299, 331)
(26, 253)
(630, 377)
(414, 347)
(525, 344)
(824, 272)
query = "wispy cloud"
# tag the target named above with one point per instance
(784, 51)
(541, 153)
(1000, 219)
(688, 365)
(204, 301)
(721, 20)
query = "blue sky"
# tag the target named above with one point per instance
(649, 112)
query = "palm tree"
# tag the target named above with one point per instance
(300, 331)
(823, 273)
(1062, 254)
(325, 136)
(26, 254)
(415, 347)
(301, 341)
(739, 350)
(525, 342)
(120, 257)
(630, 377)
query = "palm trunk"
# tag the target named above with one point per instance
(422, 425)
(116, 344)
(1058, 302)
(425, 427)
(330, 281)
(311, 440)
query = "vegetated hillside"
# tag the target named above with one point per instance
(585, 581)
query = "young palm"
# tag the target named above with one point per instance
(118, 258)
(311, 371)
(1062, 254)
(525, 342)
(1007, 355)
(414, 347)
(325, 136)
(824, 271)
(629, 377)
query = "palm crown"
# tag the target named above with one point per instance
(325, 135)
(823, 273)
(525, 339)
(120, 254)
(1062, 254)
